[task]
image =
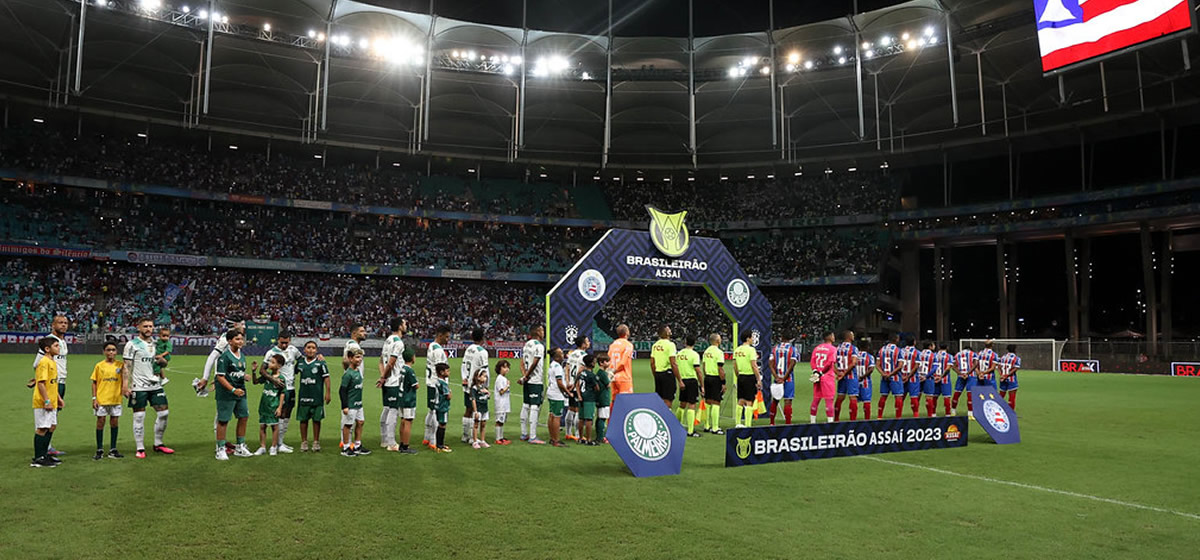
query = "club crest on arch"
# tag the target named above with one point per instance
(668, 232)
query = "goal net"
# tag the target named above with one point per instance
(1036, 353)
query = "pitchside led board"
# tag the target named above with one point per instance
(1075, 32)
(646, 435)
(797, 442)
(666, 254)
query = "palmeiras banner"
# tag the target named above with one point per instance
(624, 255)
(646, 435)
(799, 442)
(994, 415)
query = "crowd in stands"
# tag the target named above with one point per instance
(1094, 208)
(80, 217)
(773, 199)
(107, 297)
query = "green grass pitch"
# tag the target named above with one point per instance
(1107, 468)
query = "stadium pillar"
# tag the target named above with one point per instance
(771, 46)
(939, 290)
(212, 5)
(1104, 86)
(1014, 261)
(878, 139)
(79, 45)
(692, 81)
(950, 63)
(982, 114)
(1150, 294)
(428, 82)
(1002, 285)
(608, 91)
(1072, 262)
(1167, 276)
(1137, 58)
(910, 288)
(858, 76)
(1085, 288)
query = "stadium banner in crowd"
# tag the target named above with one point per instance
(995, 417)
(9, 337)
(1185, 369)
(167, 259)
(1079, 366)
(25, 250)
(799, 442)
(646, 435)
(623, 255)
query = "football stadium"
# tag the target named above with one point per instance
(618, 278)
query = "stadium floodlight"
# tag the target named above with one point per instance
(203, 14)
(185, 9)
(595, 177)
(508, 69)
(724, 177)
(102, 3)
(317, 156)
(542, 175)
(852, 169)
(751, 176)
(320, 37)
(770, 175)
(866, 45)
(558, 64)
(232, 147)
(495, 59)
(885, 41)
(395, 164)
(504, 59)
(933, 40)
(471, 55)
(841, 60)
(921, 41)
(797, 174)
(808, 64)
(691, 178)
(911, 45)
(748, 61)
(733, 72)
(837, 49)
(311, 34)
(868, 54)
(929, 31)
(765, 70)
(904, 36)
(790, 67)
(141, 135)
(454, 54)
(363, 43)
(39, 120)
(150, 5)
(793, 57)
(267, 27)
(224, 19)
(516, 60)
(640, 178)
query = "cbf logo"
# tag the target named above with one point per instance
(996, 416)
(668, 232)
(743, 448)
(591, 284)
(647, 434)
(571, 332)
(754, 336)
(738, 293)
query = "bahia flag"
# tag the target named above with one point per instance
(1072, 31)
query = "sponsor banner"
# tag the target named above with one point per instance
(313, 204)
(9, 337)
(247, 199)
(1185, 369)
(799, 442)
(169, 259)
(995, 416)
(42, 251)
(646, 435)
(1079, 366)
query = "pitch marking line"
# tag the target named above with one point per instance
(1040, 488)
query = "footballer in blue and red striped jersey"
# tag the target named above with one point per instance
(781, 363)
(908, 373)
(924, 362)
(889, 368)
(985, 371)
(1008, 365)
(965, 363)
(862, 372)
(847, 385)
(939, 375)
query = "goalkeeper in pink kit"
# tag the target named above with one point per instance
(824, 386)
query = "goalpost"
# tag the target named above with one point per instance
(1035, 353)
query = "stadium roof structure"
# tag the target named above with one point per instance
(918, 77)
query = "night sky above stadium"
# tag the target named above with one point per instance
(642, 17)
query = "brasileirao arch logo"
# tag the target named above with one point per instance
(668, 232)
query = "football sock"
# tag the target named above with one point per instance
(882, 403)
(678, 413)
(899, 406)
(160, 426)
(867, 410)
(524, 421)
(468, 428)
(812, 409)
(954, 402)
(829, 410)
(38, 451)
(112, 435)
(837, 407)
(241, 440)
(601, 428)
(690, 416)
(787, 412)
(970, 403)
(533, 421)
(441, 436)
(283, 428)
(383, 425)
(748, 415)
(812, 418)
(499, 432)
(714, 416)
(139, 429)
(774, 409)
(853, 410)
(220, 444)
(930, 406)
(1012, 399)
(916, 408)
(946, 404)
(100, 438)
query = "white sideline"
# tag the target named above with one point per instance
(1041, 488)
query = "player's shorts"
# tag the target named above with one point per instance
(155, 397)
(747, 388)
(604, 412)
(230, 408)
(986, 383)
(408, 413)
(314, 412)
(62, 388)
(891, 387)
(108, 410)
(864, 390)
(927, 386)
(501, 417)
(534, 394)
(665, 385)
(44, 419)
(588, 410)
(944, 388)
(267, 418)
(355, 415)
(691, 391)
(789, 389)
(965, 384)
(391, 397)
(573, 402)
(848, 386)
(481, 416)
(714, 388)
(289, 403)
(912, 388)
(556, 407)
(439, 416)
(1010, 385)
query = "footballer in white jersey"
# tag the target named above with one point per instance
(393, 347)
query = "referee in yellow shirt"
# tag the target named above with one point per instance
(688, 362)
(662, 364)
(745, 359)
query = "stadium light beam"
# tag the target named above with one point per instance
(150, 5)
(793, 57)
(267, 27)
(808, 64)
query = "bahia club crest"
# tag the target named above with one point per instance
(668, 232)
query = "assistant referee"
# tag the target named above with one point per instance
(662, 364)
(745, 359)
